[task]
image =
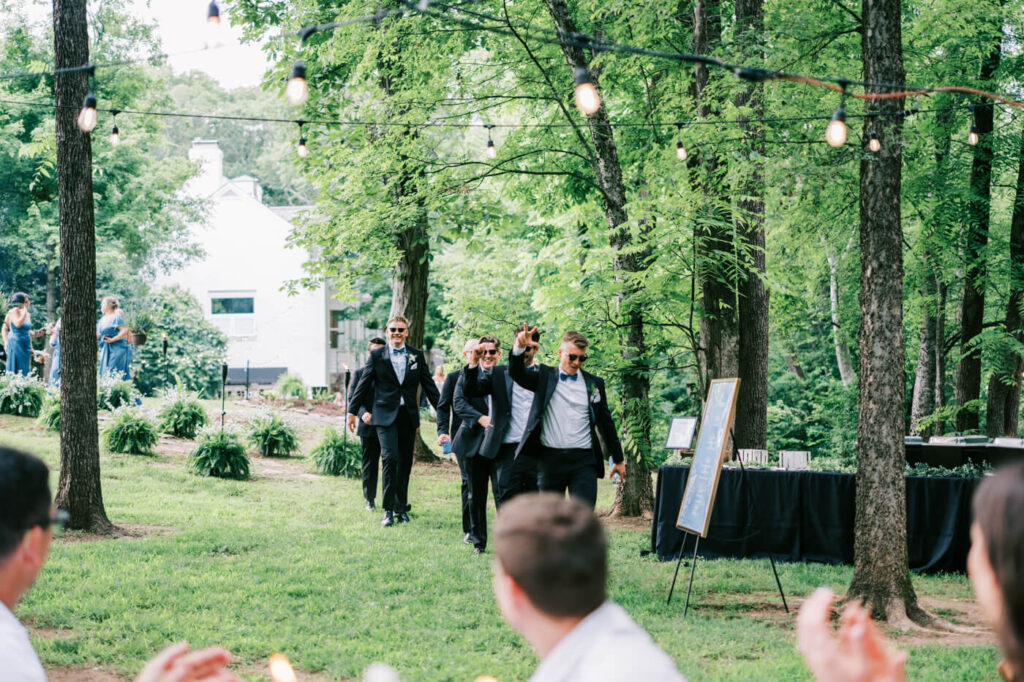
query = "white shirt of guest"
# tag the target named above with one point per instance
(521, 402)
(607, 646)
(398, 361)
(18, 660)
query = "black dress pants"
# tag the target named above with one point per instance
(464, 492)
(516, 475)
(371, 465)
(396, 444)
(571, 470)
(481, 469)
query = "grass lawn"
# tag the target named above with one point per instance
(291, 563)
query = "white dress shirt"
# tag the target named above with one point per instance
(18, 660)
(607, 646)
(398, 361)
(522, 400)
(566, 422)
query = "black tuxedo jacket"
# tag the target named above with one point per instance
(603, 438)
(470, 435)
(379, 389)
(362, 429)
(498, 385)
(446, 425)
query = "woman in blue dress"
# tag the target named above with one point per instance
(55, 359)
(112, 334)
(16, 333)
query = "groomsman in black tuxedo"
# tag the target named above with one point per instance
(570, 426)
(389, 383)
(367, 435)
(447, 426)
(510, 409)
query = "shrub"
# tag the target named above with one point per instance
(337, 456)
(129, 432)
(221, 454)
(113, 392)
(181, 415)
(21, 395)
(290, 386)
(272, 436)
(49, 415)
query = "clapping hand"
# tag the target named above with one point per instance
(525, 335)
(177, 664)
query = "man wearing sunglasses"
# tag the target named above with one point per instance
(389, 382)
(448, 425)
(570, 426)
(368, 441)
(28, 523)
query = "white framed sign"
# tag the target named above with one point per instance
(680, 433)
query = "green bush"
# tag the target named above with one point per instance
(49, 415)
(129, 432)
(113, 392)
(272, 436)
(21, 395)
(181, 415)
(337, 455)
(221, 454)
(290, 386)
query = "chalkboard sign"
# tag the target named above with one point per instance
(702, 481)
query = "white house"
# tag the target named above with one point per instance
(240, 280)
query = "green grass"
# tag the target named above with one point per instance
(294, 565)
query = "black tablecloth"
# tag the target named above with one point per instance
(808, 516)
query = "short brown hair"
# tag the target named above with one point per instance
(576, 338)
(376, 341)
(399, 318)
(490, 339)
(555, 549)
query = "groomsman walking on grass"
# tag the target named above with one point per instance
(448, 426)
(389, 383)
(367, 436)
(570, 426)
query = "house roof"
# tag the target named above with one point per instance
(257, 375)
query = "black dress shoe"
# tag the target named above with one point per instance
(370, 506)
(389, 519)
(408, 507)
(478, 550)
(468, 540)
(403, 517)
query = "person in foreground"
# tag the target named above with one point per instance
(27, 520)
(550, 572)
(996, 567)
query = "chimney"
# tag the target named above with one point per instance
(207, 153)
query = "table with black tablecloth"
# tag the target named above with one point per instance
(808, 516)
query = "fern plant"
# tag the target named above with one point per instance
(337, 456)
(221, 454)
(113, 392)
(49, 415)
(272, 436)
(21, 395)
(181, 415)
(290, 386)
(129, 432)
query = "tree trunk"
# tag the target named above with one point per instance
(78, 490)
(752, 402)
(1004, 385)
(968, 380)
(881, 575)
(51, 303)
(940, 353)
(846, 374)
(923, 403)
(635, 494)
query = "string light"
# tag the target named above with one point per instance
(297, 91)
(680, 149)
(491, 151)
(874, 144)
(301, 149)
(835, 133)
(115, 134)
(214, 32)
(587, 99)
(87, 116)
(972, 134)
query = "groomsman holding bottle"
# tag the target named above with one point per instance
(448, 426)
(570, 426)
(368, 440)
(389, 383)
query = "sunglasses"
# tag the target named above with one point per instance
(397, 330)
(573, 358)
(533, 347)
(489, 351)
(58, 522)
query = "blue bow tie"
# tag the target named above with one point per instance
(562, 376)
(398, 351)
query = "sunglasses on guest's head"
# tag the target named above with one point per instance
(533, 347)
(396, 330)
(489, 351)
(573, 357)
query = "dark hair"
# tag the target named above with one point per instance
(999, 511)
(576, 338)
(555, 550)
(19, 298)
(24, 497)
(535, 337)
(377, 341)
(490, 339)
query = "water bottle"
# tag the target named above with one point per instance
(446, 447)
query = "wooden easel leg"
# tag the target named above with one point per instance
(682, 548)
(779, 583)
(693, 567)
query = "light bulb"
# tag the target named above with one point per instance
(835, 134)
(214, 33)
(297, 91)
(972, 136)
(115, 136)
(874, 144)
(681, 151)
(302, 150)
(492, 151)
(587, 98)
(87, 116)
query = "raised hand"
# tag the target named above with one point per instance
(525, 335)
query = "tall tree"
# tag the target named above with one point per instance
(78, 490)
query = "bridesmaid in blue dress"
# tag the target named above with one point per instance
(55, 359)
(112, 334)
(16, 333)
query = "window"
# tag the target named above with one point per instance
(337, 320)
(231, 306)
